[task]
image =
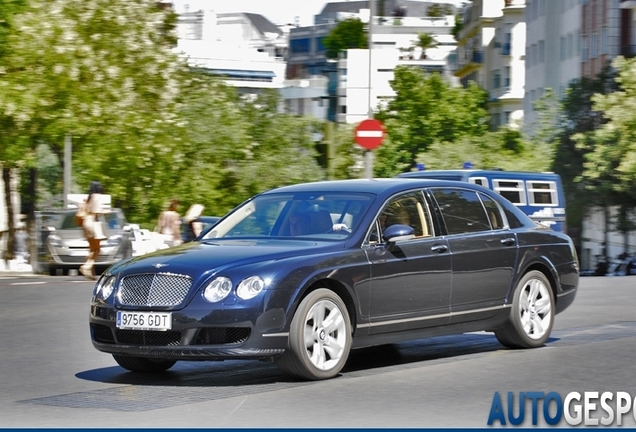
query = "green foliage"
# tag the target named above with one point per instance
(457, 28)
(610, 160)
(425, 41)
(346, 34)
(426, 110)
(559, 122)
(439, 10)
(504, 149)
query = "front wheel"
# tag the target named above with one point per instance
(319, 337)
(532, 313)
(140, 364)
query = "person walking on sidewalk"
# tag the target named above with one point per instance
(92, 226)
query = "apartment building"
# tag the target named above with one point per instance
(246, 49)
(600, 35)
(553, 50)
(490, 52)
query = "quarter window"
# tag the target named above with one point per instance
(462, 211)
(493, 212)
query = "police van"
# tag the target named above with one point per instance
(539, 195)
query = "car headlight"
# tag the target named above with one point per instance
(218, 289)
(105, 286)
(54, 240)
(250, 287)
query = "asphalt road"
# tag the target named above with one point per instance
(53, 377)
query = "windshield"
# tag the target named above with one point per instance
(306, 215)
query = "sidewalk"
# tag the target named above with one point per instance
(13, 268)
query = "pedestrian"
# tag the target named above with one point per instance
(169, 224)
(191, 218)
(92, 226)
(21, 245)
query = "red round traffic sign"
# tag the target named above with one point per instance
(370, 133)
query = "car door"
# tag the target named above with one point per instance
(484, 252)
(410, 282)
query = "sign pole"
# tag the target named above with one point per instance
(368, 157)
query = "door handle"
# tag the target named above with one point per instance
(509, 241)
(439, 248)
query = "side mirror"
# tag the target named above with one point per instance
(398, 232)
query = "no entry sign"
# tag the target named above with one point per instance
(370, 133)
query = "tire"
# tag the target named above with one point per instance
(319, 337)
(52, 271)
(532, 313)
(144, 365)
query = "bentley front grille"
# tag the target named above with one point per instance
(154, 289)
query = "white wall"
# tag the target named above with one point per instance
(593, 238)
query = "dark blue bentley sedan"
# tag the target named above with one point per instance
(303, 274)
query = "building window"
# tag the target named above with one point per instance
(496, 79)
(506, 76)
(594, 45)
(541, 52)
(585, 51)
(563, 48)
(570, 45)
(506, 117)
(604, 42)
(299, 45)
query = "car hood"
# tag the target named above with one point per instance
(215, 255)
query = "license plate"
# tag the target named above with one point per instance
(144, 320)
(78, 253)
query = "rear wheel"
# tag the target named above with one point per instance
(532, 313)
(141, 364)
(319, 337)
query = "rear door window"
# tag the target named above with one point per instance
(462, 210)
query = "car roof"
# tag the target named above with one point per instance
(379, 186)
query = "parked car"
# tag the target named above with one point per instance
(376, 262)
(66, 247)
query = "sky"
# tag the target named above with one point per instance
(282, 11)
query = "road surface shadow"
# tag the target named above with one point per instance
(250, 372)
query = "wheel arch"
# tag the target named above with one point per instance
(548, 270)
(337, 287)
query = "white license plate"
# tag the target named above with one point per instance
(144, 320)
(78, 253)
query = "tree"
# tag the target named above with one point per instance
(425, 41)
(561, 120)
(12, 155)
(99, 70)
(345, 35)
(609, 151)
(502, 149)
(426, 109)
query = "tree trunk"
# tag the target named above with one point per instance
(6, 178)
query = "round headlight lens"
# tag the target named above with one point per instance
(105, 287)
(217, 290)
(250, 287)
